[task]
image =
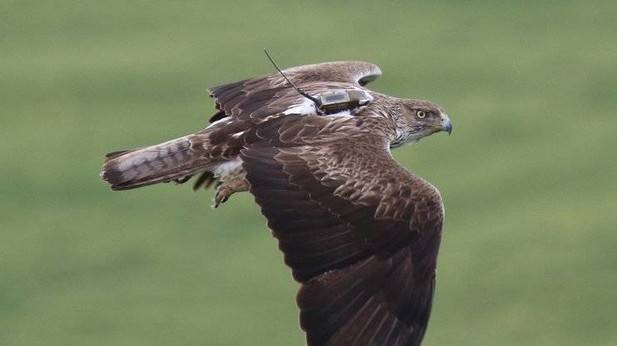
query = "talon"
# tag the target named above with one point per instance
(225, 189)
(222, 195)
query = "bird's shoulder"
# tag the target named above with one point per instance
(351, 156)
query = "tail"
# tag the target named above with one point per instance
(173, 160)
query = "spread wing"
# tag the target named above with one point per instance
(359, 232)
(263, 96)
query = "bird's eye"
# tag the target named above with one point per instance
(421, 114)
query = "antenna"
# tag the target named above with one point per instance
(300, 91)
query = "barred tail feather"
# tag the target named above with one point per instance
(172, 160)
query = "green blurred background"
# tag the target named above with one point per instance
(528, 176)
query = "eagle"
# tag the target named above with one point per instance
(313, 146)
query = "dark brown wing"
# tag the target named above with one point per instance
(360, 232)
(263, 96)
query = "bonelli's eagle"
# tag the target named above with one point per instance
(360, 232)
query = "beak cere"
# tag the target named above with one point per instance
(446, 124)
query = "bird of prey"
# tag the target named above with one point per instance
(312, 145)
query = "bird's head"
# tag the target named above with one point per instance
(416, 119)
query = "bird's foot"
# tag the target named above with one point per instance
(222, 195)
(227, 188)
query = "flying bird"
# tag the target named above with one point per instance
(312, 145)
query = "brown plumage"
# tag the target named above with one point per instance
(360, 233)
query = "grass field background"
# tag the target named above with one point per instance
(528, 176)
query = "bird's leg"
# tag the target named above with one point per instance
(228, 186)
